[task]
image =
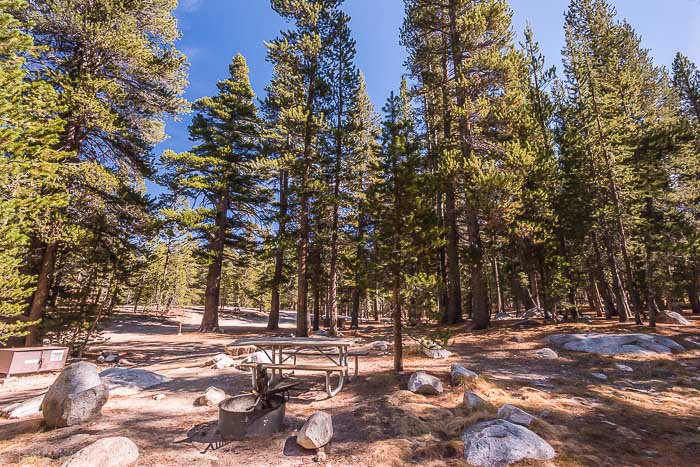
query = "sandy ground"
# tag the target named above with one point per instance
(650, 416)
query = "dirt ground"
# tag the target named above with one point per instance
(650, 416)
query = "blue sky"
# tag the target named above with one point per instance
(213, 31)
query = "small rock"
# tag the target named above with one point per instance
(110, 356)
(533, 313)
(473, 401)
(600, 376)
(320, 456)
(672, 317)
(76, 396)
(461, 374)
(527, 324)
(515, 415)
(158, 397)
(622, 367)
(321, 332)
(501, 315)
(106, 452)
(517, 339)
(220, 361)
(436, 353)
(545, 414)
(547, 354)
(499, 442)
(380, 345)
(211, 397)
(316, 432)
(421, 382)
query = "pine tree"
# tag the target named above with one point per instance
(397, 204)
(343, 82)
(621, 106)
(31, 191)
(299, 52)
(117, 73)
(219, 173)
(362, 176)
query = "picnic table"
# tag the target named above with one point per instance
(281, 350)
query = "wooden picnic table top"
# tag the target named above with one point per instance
(293, 341)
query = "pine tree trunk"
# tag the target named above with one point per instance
(358, 290)
(618, 290)
(454, 294)
(499, 292)
(274, 318)
(603, 286)
(210, 319)
(333, 272)
(41, 295)
(316, 274)
(398, 337)
(480, 302)
(303, 246)
(694, 290)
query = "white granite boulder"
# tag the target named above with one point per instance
(211, 397)
(380, 345)
(672, 317)
(29, 408)
(129, 381)
(615, 344)
(76, 396)
(316, 432)
(546, 354)
(515, 415)
(473, 401)
(421, 382)
(220, 361)
(115, 451)
(498, 443)
(460, 374)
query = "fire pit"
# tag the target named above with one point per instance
(250, 415)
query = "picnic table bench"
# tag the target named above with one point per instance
(281, 350)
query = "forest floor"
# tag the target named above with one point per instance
(650, 416)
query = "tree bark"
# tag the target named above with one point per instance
(316, 273)
(480, 306)
(454, 293)
(210, 319)
(499, 292)
(41, 295)
(302, 329)
(398, 337)
(694, 290)
(274, 318)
